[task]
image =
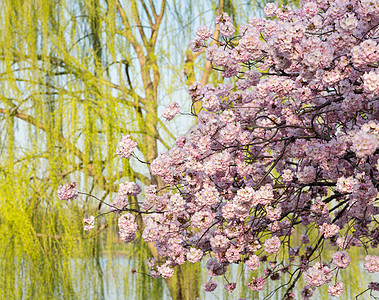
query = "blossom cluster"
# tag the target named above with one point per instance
(90, 223)
(68, 191)
(294, 142)
(126, 147)
(129, 189)
(290, 144)
(127, 227)
(171, 111)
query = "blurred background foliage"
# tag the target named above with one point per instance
(74, 77)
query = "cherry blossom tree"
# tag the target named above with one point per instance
(288, 143)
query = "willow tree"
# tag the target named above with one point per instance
(75, 77)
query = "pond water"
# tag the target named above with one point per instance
(119, 283)
(109, 276)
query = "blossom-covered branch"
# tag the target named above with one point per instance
(290, 144)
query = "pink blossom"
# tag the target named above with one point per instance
(264, 196)
(210, 286)
(154, 273)
(246, 195)
(368, 8)
(336, 290)
(273, 213)
(365, 53)
(219, 243)
(229, 134)
(150, 197)
(345, 185)
(310, 9)
(227, 29)
(215, 267)
(274, 226)
(371, 82)
(232, 254)
(307, 292)
(204, 32)
(364, 144)
(90, 223)
(349, 22)
(202, 219)
(151, 262)
(210, 52)
(372, 263)
(320, 208)
(228, 210)
(341, 259)
(180, 141)
(374, 286)
(176, 204)
(240, 55)
(216, 163)
(196, 45)
(195, 90)
(251, 42)
(272, 245)
(287, 175)
(208, 196)
(126, 147)
(230, 287)
(318, 275)
(220, 57)
(253, 262)
(307, 175)
(210, 101)
(165, 271)
(119, 203)
(171, 111)
(270, 9)
(346, 241)
(223, 18)
(68, 191)
(194, 255)
(159, 166)
(257, 284)
(129, 189)
(329, 230)
(127, 227)
(253, 77)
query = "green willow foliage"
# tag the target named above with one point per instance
(74, 77)
(70, 87)
(58, 119)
